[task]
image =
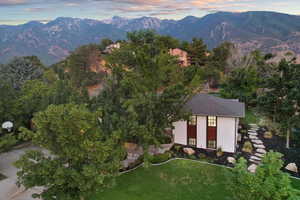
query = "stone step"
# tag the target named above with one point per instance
(261, 151)
(252, 133)
(256, 141)
(252, 168)
(254, 161)
(253, 137)
(260, 155)
(255, 158)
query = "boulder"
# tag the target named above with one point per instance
(189, 151)
(292, 167)
(254, 161)
(252, 168)
(261, 151)
(231, 160)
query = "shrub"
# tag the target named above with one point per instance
(247, 147)
(268, 135)
(160, 158)
(219, 152)
(269, 182)
(7, 141)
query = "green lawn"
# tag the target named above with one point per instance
(177, 180)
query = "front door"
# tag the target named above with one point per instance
(211, 132)
(192, 131)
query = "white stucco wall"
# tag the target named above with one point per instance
(226, 134)
(201, 132)
(180, 132)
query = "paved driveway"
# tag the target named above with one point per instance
(8, 188)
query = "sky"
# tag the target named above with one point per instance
(14, 12)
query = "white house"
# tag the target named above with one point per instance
(212, 125)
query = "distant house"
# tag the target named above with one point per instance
(111, 47)
(182, 56)
(212, 125)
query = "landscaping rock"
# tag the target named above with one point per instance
(261, 151)
(292, 167)
(255, 158)
(252, 168)
(259, 146)
(231, 160)
(189, 151)
(257, 142)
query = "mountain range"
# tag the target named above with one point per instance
(270, 32)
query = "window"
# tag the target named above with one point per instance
(212, 121)
(211, 144)
(193, 120)
(192, 142)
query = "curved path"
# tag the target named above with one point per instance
(8, 187)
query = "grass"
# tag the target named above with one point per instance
(176, 180)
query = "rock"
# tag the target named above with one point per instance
(245, 137)
(292, 167)
(255, 158)
(260, 155)
(231, 160)
(189, 151)
(252, 168)
(261, 151)
(257, 142)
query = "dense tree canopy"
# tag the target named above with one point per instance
(82, 159)
(242, 84)
(269, 182)
(146, 89)
(281, 98)
(21, 69)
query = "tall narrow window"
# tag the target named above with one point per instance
(193, 120)
(192, 131)
(211, 132)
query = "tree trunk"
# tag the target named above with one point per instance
(288, 133)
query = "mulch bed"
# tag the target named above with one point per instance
(202, 154)
(276, 144)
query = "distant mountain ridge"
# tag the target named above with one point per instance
(268, 31)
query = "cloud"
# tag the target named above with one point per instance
(12, 2)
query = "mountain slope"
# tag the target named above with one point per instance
(268, 31)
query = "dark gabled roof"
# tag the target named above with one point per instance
(209, 105)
